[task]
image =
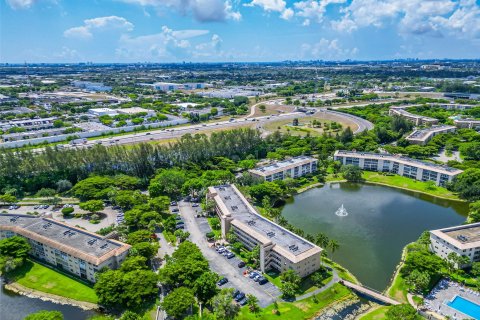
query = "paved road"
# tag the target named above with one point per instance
(361, 123)
(266, 294)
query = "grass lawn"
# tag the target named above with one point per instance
(38, 277)
(377, 314)
(342, 272)
(306, 285)
(302, 130)
(407, 183)
(304, 309)
(399, 289)
(217, 232)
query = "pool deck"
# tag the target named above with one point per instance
(444, 292)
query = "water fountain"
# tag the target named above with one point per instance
(341, 212)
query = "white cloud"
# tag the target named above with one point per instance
(169, 44)
(313, 9)
(279, 6)
(20, 4)
(327, 50)
(433, 17)
(202, 10)
(110, 22)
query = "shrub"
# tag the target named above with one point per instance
(67, 211)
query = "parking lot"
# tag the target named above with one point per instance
(228, 268)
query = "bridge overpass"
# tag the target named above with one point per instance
(369, 292)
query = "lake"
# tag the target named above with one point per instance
(380, 222)
(17, 307)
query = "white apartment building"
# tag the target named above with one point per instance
(403, 166)
(102, 112)
(467, 123)
(423, 136)
(280, 249)
(416, 119)
(66, 247)
(293, 168)
(464, 240)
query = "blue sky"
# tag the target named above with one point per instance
(236, 30)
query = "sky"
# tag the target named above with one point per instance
(237, 30)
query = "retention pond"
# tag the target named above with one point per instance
(375, 224)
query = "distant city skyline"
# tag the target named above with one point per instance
(164, 31)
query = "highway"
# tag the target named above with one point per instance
(177, 132)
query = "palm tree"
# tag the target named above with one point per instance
(333, 245)
(321, 240)
(253, 303)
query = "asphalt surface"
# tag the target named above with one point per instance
(197, 227)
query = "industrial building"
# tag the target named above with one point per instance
(136, 110)
(416, 119)
(30, 124)
(280, 249)
(293, 168)
(91, 86)
(423, 136)
(403, 166)
(169, 86)
(68, 248)
(102, 112)
(464, 240)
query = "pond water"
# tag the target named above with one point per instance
(17, 307)
(380, 222)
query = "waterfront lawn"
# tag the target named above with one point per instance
(377, 314)
(399, 289)
(303, 309)
(407, 183)
(306, 285)
(38, 277)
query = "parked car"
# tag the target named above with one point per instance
(252, 275)
(241, 264)
(243, 302)
(262, 281)
(175, 210)
(222, 281)
(181, 226)
(195, 205)
(173, 203)
(240, 297)
(230, 255)
(257, 278)
(235, 293)
(178, 218)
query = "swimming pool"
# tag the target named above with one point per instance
(465, 306)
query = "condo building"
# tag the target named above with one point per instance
(423, 136)
(467, 123)
(66, 247)
(280, 249)
(293, 168)
(416, 119)
(464, 240)
(403, 166)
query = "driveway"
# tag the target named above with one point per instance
(197, 227)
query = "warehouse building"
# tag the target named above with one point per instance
(293, 168)
(280, 249)
(65, 247)
(403, 166)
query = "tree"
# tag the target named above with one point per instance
(253, 303)
(95, 187)
(224, 307)
(346, 136)
(63, 185)
(205, 287)
(352, 173)
(167, 182)
(402, 312)
(178, 302)
(132, 263)
(333, 245)
(181, 235)
(419, 281)
(139, 236)
(267, 189)
(130, 315)
(92, 206)
(46, 193)
(45, 315)
(290, 283)
(7, 199)
(145, 249)
(262, 108)
(322, 240)
(17, 247)
(67, 211)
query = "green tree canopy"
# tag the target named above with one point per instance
(178, 302)
(45, 315)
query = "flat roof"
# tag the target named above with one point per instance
(422, 134)
(91, 246)
(405, 160)
(463, 236)
(281, 165)
(242, 211)
(404, 112)
(133, 110)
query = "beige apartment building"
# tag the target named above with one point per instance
(280, 249)
(293, 168)
(416, 119)
(66, 247)
(423, 136)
